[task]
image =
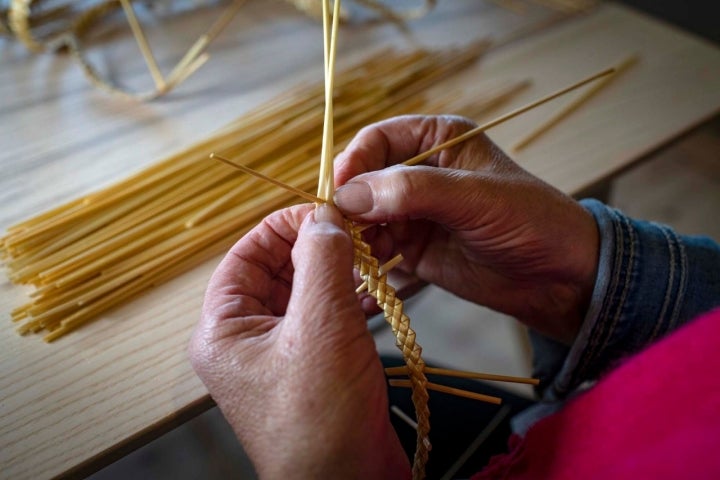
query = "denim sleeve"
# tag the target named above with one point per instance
(650, 281)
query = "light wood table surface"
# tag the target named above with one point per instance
(71, 406)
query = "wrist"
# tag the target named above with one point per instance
(324, 427)
(566, 296)
(586, 256)
(316, 456)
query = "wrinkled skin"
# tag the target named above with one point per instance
(282, 345)
(472, 221)
(284, 350)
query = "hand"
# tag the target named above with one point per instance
(472, 221)
(284, 350)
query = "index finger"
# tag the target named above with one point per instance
(256, 274)
(398, 139)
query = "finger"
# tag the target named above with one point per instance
(256, 274)
(453, 198)
(243, 296)
(398, 139)
(323, 295)
(406, 238)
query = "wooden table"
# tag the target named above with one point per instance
(69, 407)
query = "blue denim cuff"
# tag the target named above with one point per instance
(650, 281)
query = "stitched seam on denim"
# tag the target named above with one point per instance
(626, 284)
(600, 332)
(670, 286)
(682, 287)
(596, 332)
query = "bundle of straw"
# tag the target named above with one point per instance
(98, 251)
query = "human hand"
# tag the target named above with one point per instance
(471, 221)
(284, 350)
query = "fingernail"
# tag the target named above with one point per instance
(325, 213)
(354, 198)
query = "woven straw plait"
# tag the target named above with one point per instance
(378, 287)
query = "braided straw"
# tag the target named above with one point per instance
(20, 19)
(54, 22)
(80, 26)
(19, 23)
(378, 287)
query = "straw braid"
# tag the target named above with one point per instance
(377, 286)
(19, 18)
(19, 22)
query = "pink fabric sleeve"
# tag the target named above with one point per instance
(656, 416)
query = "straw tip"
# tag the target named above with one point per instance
(54, 335)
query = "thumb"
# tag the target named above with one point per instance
(323, 284)
(453, 198)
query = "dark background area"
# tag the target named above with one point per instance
(698, 16)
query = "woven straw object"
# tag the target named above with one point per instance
(62, 26)
(377, 285)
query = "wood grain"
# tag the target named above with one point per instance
(65, 407)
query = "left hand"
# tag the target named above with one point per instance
(283, 348)
(471, 221)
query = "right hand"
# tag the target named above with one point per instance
(283, 348)
(471, 221)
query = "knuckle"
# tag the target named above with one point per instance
(197, 354)
(401, 185)
(457, 124)
(333, 238)
(201, 349)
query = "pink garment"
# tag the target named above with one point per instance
(657, 416)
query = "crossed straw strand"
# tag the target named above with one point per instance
(377, 286)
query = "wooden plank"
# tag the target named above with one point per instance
(64, 405)
(674, 87)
